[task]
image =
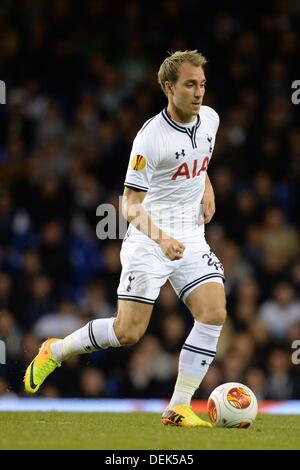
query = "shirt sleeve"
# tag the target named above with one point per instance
(142, 163)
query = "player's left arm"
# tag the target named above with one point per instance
(208, 201)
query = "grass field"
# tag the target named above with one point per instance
(139, 431)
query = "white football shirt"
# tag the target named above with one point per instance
(169, 161)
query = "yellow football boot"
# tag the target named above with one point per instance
(183, 415)
(41, 366)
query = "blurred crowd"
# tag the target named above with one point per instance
(81, 80)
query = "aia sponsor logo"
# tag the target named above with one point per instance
(192, 171)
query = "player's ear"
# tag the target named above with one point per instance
(169, 87)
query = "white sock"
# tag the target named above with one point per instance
(195, 358)
(95, 335)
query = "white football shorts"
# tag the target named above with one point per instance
(145, 269)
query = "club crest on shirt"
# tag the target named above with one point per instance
(138, 163)
(130, 279)
(209, 139)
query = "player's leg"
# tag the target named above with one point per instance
(207, 304)
(144, 271)
(126, 329)
(132, 321)
(200, 285)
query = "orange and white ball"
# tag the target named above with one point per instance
(232, 405)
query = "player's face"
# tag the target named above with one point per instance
(188, 92)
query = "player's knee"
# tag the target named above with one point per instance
(218, 316)
(211, 316)
(127, 335)
(128, 339)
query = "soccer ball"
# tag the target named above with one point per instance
(232, 405)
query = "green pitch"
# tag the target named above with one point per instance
(139, 431)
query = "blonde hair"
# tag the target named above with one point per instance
(168, 71)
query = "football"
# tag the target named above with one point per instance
(232, 405)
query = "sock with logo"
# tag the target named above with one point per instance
(195, 358)
(95, 335)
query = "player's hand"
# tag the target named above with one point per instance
(172, 248)
(209, 206)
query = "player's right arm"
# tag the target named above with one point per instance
(144, 159)
(134, 213)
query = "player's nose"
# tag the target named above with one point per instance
(197, 93)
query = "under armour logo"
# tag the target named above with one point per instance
(209, 138)
(204, 363)
(130, 279)
(182, 153)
